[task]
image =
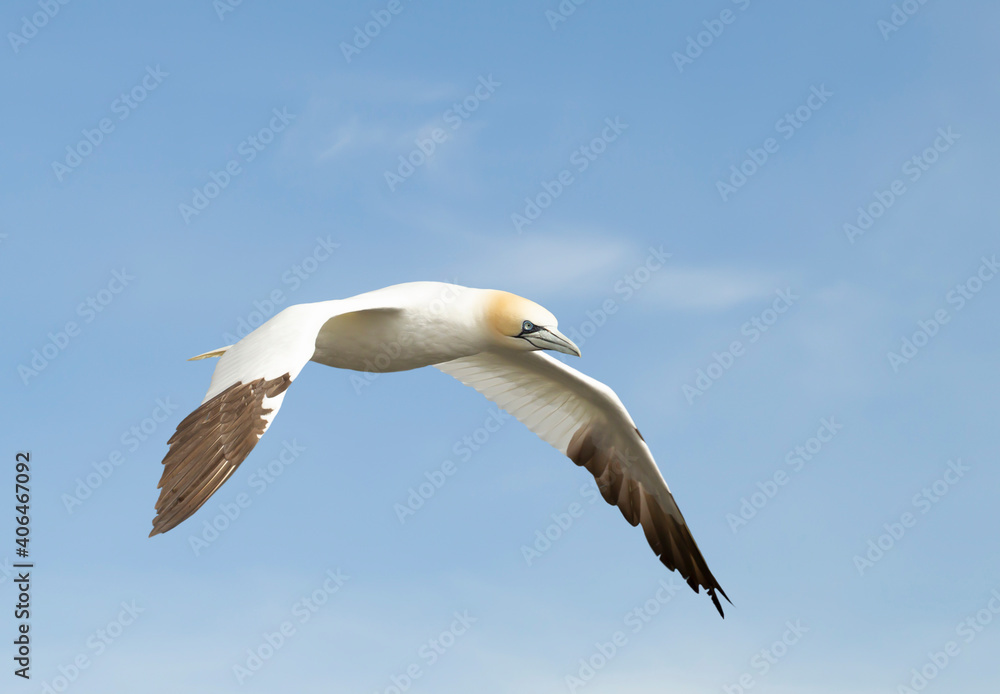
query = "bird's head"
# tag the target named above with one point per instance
(520, 324)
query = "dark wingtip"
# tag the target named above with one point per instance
(719, 588)
(715, 601)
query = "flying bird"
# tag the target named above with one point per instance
(491, 340)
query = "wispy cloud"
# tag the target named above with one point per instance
(354, 133)
(355, 137)
(377, 118)
(562, 263)
(688, 288)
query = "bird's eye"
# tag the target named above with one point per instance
(527, 326)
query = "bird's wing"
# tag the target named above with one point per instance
(584, 419)
(247, 388)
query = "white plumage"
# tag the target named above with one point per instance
(487, 339)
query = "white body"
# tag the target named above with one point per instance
(487, 339)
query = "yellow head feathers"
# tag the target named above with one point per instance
(506, 313)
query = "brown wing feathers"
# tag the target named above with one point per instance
(208, 446)
(669, 539)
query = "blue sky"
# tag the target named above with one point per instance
(770, 224)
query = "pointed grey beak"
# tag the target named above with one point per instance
(550, 338)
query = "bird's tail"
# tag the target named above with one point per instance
(214, 353)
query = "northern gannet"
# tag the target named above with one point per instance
(488, 339)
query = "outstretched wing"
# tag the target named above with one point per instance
(584, 419)
(247, 388)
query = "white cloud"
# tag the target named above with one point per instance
(377, 116)
(354, 137)
(709, 289)
(353, 134)
(578, 263)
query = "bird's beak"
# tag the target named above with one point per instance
(550, 338)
